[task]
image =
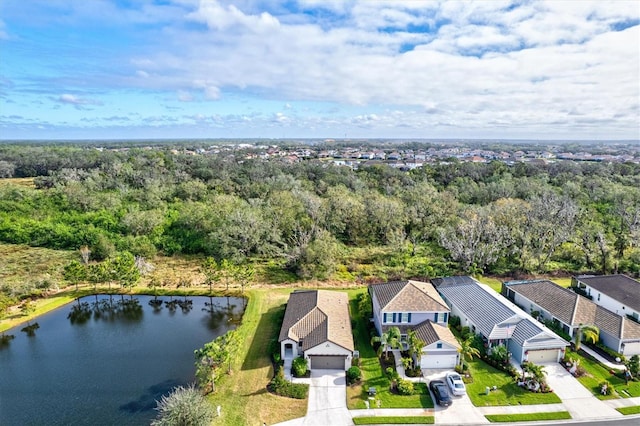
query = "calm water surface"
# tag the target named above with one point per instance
(110, 365)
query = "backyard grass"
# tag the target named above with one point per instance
(243, 395)
(394, 420)
(494, 283)
(372, 374)
(528, 417)
(507, 392)
(597, 373)
(635, 409)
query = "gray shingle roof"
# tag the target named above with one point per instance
(620, 287)
(408, 296)
(317, 316)
(573, 309)
(559, 301)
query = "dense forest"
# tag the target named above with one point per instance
(318, 220)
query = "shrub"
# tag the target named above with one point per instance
(184, 406)
(405, 387)
(392, 373)
(299, 367)
(465, 332)
(280, 386)
(454, 321)
(353, 375)
(605, 388)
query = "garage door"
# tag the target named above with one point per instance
(549, 355)
(631, 348)
(327, 362)
(438, 360)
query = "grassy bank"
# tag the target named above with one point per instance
(243, 395)
(528, 417)
(635, 409)
(394, 420)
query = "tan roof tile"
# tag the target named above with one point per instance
(317, 316)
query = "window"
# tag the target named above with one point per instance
(386, 318)
(439, 345)
(435, 317)
(405, 317)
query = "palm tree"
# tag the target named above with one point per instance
(415, 346)
(389, 339)
(589, 333)
(467, 350)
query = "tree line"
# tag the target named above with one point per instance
(316, 220)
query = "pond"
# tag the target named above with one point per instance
(105, 360)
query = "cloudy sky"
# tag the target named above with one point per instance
(319, 69)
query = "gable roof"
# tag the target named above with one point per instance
(574, 309)
(620, 287)
(430, 332)
(408, 296)
(484, 310)
(494, 316)
(317, 316)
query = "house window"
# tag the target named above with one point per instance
(439, 345)
(435, 317)
(405, 317)
(386, 318)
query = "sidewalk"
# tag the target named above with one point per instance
(602, 360)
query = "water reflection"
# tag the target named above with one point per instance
(129, 310)
(147, 401)
(105, 359)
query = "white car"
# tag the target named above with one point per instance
(455, 383)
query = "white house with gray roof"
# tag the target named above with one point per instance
(317, 326)
(499, 321)
(417, 306)
(617, 293)
(571, 310)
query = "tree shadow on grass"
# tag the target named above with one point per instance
(265, 339)
(147, 401)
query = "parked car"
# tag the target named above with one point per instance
(440, 393)
(456, 385)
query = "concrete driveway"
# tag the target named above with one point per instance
(327, 400)
(460, 411)
(577, 399)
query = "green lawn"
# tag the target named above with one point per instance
(597, 373)
(494, 283)
(243, 395)
(507, 393)
(635, 409)
(394, 420)
(372, 374)
(528, 417)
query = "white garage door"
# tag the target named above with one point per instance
(438, 360)
(631, 348)
(327, 362)
(549, 355)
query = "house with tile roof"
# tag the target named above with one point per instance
(417, 306)
(317, 326)
(499, 321)
(617, 293)
(571, 310)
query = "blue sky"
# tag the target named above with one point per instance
(319, 69)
